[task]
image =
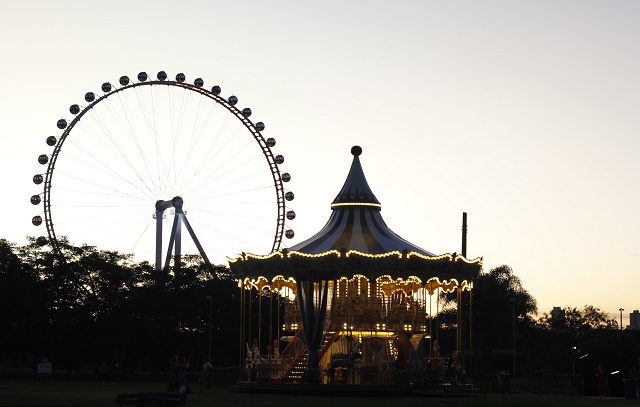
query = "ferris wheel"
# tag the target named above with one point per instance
(140, 158)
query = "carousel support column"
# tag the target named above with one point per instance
(438, 316)
(249, 335)
(279, 327)
(260, 291)
(459, 320)
(470, 329)
(349, 309)
(372, 311)
(270, 341)
(430, 324)
(241, 333)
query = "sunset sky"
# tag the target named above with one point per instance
(525, 115)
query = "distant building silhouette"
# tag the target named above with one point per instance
(634, 320)
(557, 314)
(557, 317)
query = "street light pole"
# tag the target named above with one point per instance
(513, 307)
(573, 367)
(621, 309)
(210, 312)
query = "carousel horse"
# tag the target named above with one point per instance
(276, 351)
(408, 359)
(409, 364)
(341, 360)
(253, 354)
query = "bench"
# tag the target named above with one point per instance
(151, 399)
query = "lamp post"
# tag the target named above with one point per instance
(621, 309)
(513, 308)
(210, 312)
(575, 357)
(573, 368)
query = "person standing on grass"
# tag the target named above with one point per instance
(182, 376)
(206, 371)
(601, 377)
(174, 364)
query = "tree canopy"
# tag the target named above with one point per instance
(101, 306)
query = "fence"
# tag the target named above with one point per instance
(562, 383)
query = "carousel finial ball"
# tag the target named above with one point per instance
(356, 150)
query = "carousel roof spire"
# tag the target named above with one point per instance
(356, 190)
(355, 222)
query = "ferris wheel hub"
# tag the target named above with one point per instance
(176, 202)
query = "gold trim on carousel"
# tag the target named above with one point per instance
(349, 253)
(371, 204)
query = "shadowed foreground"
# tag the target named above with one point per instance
(58, 393)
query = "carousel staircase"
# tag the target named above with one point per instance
(329, 338)
(296, 352)
(299, 365)
(297, 368)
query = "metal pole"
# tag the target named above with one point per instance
(259, 321)
(513, 307)
(464, 234)
(459, 321)
(466, 333)
(240, 333)
(469, 369)
(438, 317)
(210, 312)
(573, 368)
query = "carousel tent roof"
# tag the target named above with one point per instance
(356, 240)
(355, 222)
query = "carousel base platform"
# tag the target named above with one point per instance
(391, 390)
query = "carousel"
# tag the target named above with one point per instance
(355, 304)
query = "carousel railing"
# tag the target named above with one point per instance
(354, 313)
(376, 381)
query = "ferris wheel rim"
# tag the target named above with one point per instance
(277, 176)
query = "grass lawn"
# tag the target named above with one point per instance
(58, 393)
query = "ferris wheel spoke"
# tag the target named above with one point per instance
(231, 233)
(224, 168)
(253, 196)
(87, 169)
(107, 227)
(220, 179)
(108, 141)
(208, 159)
(176, 131)
(151, 120)
(131, 130)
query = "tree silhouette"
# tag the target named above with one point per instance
(100, 306)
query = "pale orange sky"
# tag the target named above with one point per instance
(523, 114)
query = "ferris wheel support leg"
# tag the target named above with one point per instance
(159, 215)
(172, 240)
(196, 241)
(177, 258)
